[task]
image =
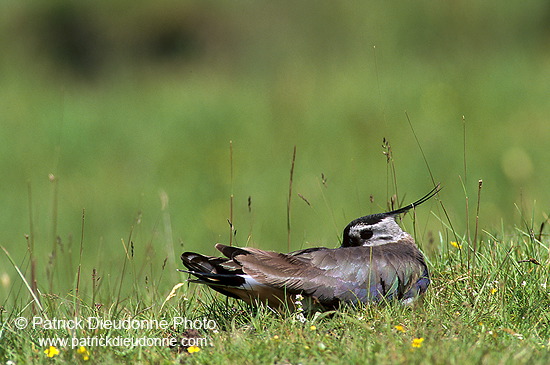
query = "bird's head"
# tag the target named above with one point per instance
(379, 229)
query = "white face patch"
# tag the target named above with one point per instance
(380, 233)
(355, 231)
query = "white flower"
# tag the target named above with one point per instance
(300, 317)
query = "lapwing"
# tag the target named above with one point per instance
(376, 262)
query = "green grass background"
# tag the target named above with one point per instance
(125, 103)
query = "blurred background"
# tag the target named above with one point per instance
(126, 109)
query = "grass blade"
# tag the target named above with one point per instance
(34, 297)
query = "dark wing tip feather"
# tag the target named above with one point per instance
(230, 251)
(197, 262)
(209, 271)
(216, 278)
(426, 197)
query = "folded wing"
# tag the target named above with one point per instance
(329, 276)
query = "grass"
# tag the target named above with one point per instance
(495, 311)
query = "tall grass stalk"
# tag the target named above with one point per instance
(393, 199)
(231, 196)
(480, 184)
(123, 272)
(34, 295)
(77, 288)
(289, 201)
(30, 247)
(54, 181)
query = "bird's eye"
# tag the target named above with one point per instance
(366, 234)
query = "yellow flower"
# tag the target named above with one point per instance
(51, 351)
(399, 328)
(456, 245)
(276, 337)
(313, 328)
(494, 290)
(83, 351)
(417, 342)
(192, 349)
